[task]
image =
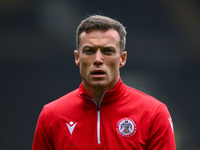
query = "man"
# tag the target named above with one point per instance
(103, 113)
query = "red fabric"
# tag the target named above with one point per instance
(151, 117)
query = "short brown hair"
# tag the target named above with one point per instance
(98, 22)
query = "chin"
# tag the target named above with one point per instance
(99, 84)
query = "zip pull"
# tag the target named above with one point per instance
(98, 107)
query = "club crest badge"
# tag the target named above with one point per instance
(126, 127)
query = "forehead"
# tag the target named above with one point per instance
(100, 38)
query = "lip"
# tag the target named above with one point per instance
(98, 73)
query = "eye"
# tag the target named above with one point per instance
(89, 51)
(108, 51)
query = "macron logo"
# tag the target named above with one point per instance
(71, 126)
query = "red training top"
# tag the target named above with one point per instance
(125, 119)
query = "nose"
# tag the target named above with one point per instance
(98, 60)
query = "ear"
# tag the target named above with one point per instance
(76, 57)
(123, 59)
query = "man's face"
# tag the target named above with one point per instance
(99, 58)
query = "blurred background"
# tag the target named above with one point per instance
(37, 40)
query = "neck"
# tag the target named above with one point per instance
(95, 93)
(98, 96)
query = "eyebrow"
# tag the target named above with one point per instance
(87, 46)
(109, 47)
(96, 47)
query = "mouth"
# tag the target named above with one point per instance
(98, 73)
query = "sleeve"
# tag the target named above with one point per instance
(42, 138)
(161, 136)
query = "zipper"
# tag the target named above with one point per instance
(98, 116)
(98, 124)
